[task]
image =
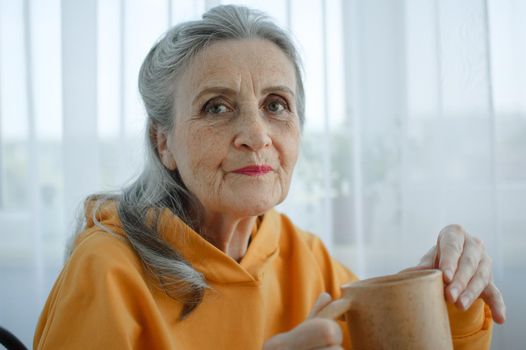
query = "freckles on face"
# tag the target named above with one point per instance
(236, 135)
(204, 157)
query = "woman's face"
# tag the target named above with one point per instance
(237, 131)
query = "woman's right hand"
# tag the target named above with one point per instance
(316, 332)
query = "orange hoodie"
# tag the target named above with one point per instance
(103, 298)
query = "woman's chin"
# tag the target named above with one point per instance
(252, 206)
(253, 209)
(245, 201)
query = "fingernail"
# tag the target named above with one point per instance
(464, 300)
(454, 293)
(449, 274)
(325, 296)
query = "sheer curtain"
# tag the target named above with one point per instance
(416, 118)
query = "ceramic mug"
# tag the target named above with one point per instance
(402, 311)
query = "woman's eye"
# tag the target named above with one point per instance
(276, 106)
(215, 107)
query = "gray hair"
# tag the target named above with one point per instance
(158, 188)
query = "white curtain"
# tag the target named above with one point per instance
(416, 118)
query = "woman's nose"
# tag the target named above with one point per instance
(252, 131)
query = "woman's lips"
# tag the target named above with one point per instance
(254, 170)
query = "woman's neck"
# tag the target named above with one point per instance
(230, 235)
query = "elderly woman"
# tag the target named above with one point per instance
(192, 255)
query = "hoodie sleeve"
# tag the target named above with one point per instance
(471, 329)
(101, 301)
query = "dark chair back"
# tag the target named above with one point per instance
(9, 341)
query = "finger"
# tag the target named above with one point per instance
(428, 261)
(467, 267)
(477, 284)
(493, 297)
(335, 309)
(315, 333)
(323, 299)
(450, 246)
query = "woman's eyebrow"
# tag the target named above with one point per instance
(281, 88)
(214, 90)
(229, 91)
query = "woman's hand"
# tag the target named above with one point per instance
(316, 332)
(467, 270)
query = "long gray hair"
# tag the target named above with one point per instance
(158, 188)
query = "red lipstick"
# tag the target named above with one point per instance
(254, 170)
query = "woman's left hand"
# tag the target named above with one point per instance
(467, 270)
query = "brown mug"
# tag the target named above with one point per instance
(402, 311)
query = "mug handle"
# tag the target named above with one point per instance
(335, 309)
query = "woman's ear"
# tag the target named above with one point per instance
(162, 141)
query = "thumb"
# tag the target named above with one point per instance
(336, 309)
(323, 299)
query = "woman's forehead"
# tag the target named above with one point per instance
(227, 63)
